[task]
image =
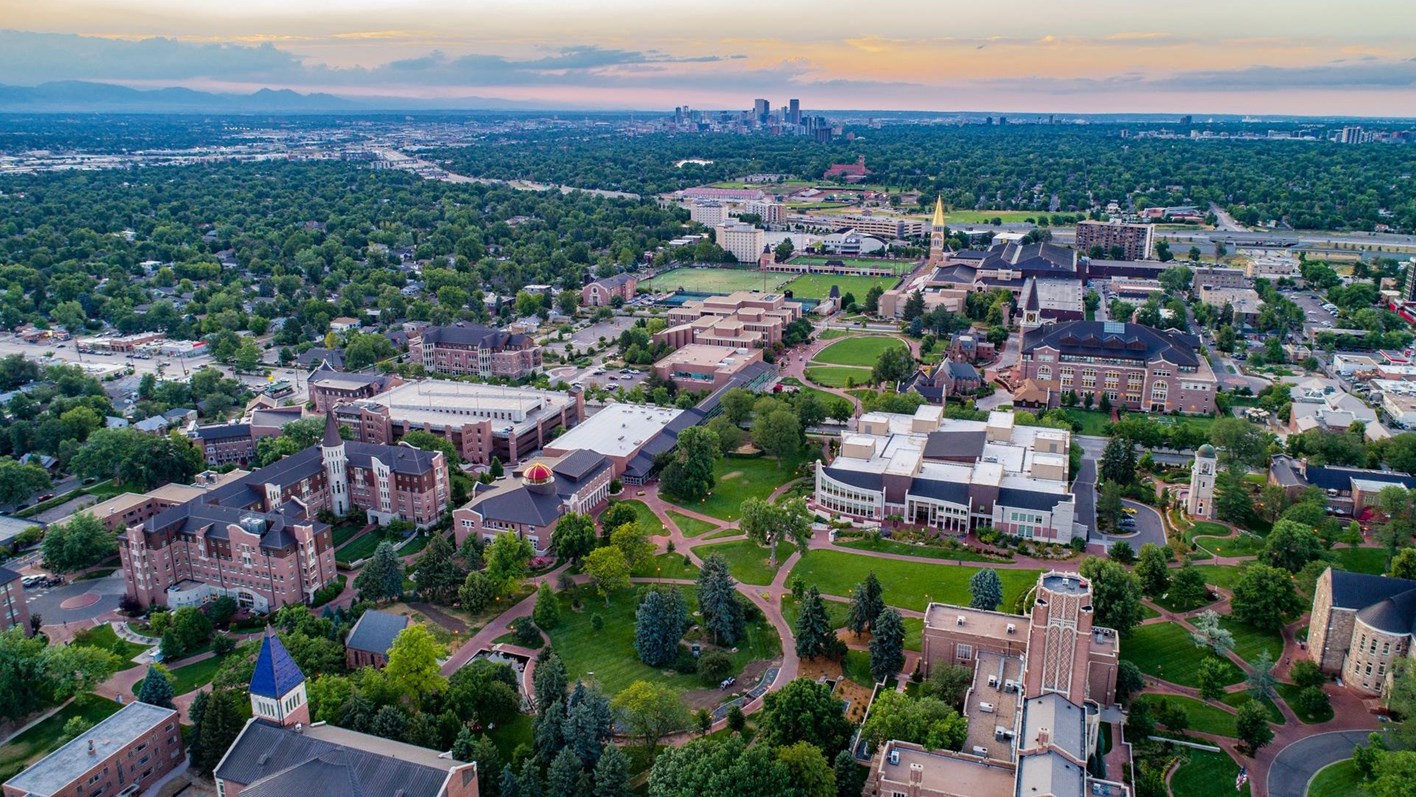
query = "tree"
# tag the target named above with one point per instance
(778, 433)
(1252, 727)
(1121, 552)
(615, 515)
(436, 572)
(895, 364)
(1264, 596)
(1240, 442)
(20, 481)
(633, 541)
(1210, 634)
(689, 473)
(477, 592)
(612, 773)
(1312, 701)
(1290, 545)
(659, 623)
(549, 680)
(1211, 678)
(769, 524)
(652, 711)
(872, 299)
(546, 614)
(1403, 565)
(81, 543)
(713, 766)
(804, 711)
(866, 604)
(737, 404)
(718, 602)
(382, 576)
(814, 636)
(1393, 773)
(808, 769)
(574, 535)
(985, 590)
(948, 682)
(157, 688)
(1109, 506)
(608, 571)
(469, 747)
(508, 561)
(927, 721)
(564, 772)
(188, 630)
(887, 645)
(1118, 461)
(1129, 680)
(1400, 508)
(221, 723)
(1188, 587)
(1116, 594)
(1151, 569)
(413, 669)
(1231, 499)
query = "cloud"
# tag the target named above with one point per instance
(1361, 73)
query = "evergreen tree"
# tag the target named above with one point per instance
(437, 573)
(858, 620)
(389, 722)
(985, 590)
(612, 773)
(156, 689)
(813, 628)
(1118, 461)
(1231, 499)
(564, 773)
(659, 623)
(547, 612)
(1152, 571)
(222, 721)
(850, 776)
(530, 779)
(549, 681)
(382, 577)
(718, 601)
(547, 733)
(510, 784)
(582, 733)
(875, 595)
(887, 645)
(195, 714)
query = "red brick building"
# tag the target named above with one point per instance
(603, 291)
(122, 755)
(14, 611)
(473, 349)
(372, 637)
(330, 388)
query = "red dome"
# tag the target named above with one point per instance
(538, 473)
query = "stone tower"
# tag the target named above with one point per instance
(278, 686)
(336, 465)
(1059, 638)
(936, 233)
(1200, 503)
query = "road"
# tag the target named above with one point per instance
(1227, 223)
(48, 602)
(433, 171)
(1149, 528)
(1084, 490)
(1296, 764)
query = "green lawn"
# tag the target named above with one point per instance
(1220, 575)
(748, 561)
(838, 375)
(104, 637)
(1165, 651)
(1337, 780)
(690, 526)
(512, 735)
(818, 286)
(1251, 642)
(609, 652)
(923, 551)
(861, 351)
(361, 548)
(741, 478)
(1239, 545)
(856, 666)
(1204, 717)
(1093, 421)
(836, 611)
(1238, 699)
(343, 533)
(646, 518)
(828, 400)
(898, 266)
(194, 676)
(1206, 774)
(914, 633)
(1362, 560)
(908, 585)
(43, 738)
(987, 216)
(1289, 693)
(717, 280)
(666, 565)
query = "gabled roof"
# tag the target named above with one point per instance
(223, 431)
(1115, 340)
(1360, 590)
(329, 762)
(613, 281)
(276, 672)
(475, 335)
(375, 631)
(578, 464)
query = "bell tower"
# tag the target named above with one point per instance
(336, 466)
(1200, 502)
(936, 233)
(278, 686)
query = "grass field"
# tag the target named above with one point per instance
(1093, 421)
(104, 638)
(818, 286)
(897, 266)
(1204, 717)
(1250, 643)
(195, 676)
(1165, 651)
(512, 735)
(717, 280)
(646, 518)
(690, 526)
(1337, 780)
(361, 548)
(1206, 774)
(908, 585)
(838, 375)
(747, 560)
(860, 351)
(1362, 560)
(987, 216)
(1240, 545)
(923, 551)
(343, 533)
(43, 738)
(1220, 575)
(1206, 528)
(609, 652)
(1238, 699)
(666, 565)
(741, 478)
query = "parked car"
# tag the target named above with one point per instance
(727, 682)
(31, 581)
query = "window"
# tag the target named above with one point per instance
(1044, 372)
(963, 652)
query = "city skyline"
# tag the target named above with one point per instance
(1302, 58)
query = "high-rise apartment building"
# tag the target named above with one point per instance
(745, 241)
(1117, 241)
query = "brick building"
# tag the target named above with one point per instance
(225, 443)
(1360, 625)
(123, 754)
(1135, 367)
(14, 610)
(702, 367)
(477, 350)
(371, 638)
(481, 421)
(330, 388)
(1133, 241)
(531, 506)
(603, 291)
(738, 320)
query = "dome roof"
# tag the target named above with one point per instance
(538, 473)
(1206, 451)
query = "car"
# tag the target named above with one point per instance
(53, 581)
(46, 496)
(612, 377)
(612, 387)
(727, 682)
(1129, 510)
(30, 581)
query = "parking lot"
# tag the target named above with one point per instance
(1315, 315)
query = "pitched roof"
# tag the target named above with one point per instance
(222, 431)
(375, 630)
(331, 437)
(613, 281)
(1360, 590)
(475, 335)
(1114, 340)
(7, 575)
(272, 761)
(276, 672)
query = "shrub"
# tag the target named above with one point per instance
(221, 644)
(329, 591)
(597, 622)
(527, 634)
(713, 667)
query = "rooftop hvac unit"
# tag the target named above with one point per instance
(895, 757)
(961, 620)
(1012, 628)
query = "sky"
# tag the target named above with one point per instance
(1351, 57)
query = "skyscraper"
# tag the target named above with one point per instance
(794, 111)
(761, 109)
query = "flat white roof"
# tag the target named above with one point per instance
(618, 430)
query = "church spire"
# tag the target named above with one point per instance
(936, 233)
(938, 222)
(331, 432)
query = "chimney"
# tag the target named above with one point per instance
(92, 751)
(916, 773)
(1044, 737)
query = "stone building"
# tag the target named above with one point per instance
(1200, 502)
(1360, 625)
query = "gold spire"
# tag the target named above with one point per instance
(938, 223)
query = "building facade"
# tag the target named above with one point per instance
(14, 609)
(603, 291)
(1117, 241)
(699, 367)
(372, 637)
(1200, 502)
(1135, 367)
(745, 241)
(330, 388)
(225, 443)
(477, 350)
(531, 506)
(123, 754)
(1360, 626)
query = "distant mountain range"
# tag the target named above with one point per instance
(76, 96)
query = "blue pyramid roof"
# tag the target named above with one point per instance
(276, 673)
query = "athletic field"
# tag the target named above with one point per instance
(818, 286)
(716, 280)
